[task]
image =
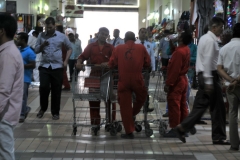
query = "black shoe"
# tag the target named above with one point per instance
(21, 119)
(180, 135)
(127, 136)
(233, 149)
(66, 89)
(40, 114)
(221, 142)
(55, 117)
(28, 110)
(150, 109)
(165, 114)
(227, 122)
(170, 134)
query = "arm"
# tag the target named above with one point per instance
(147, 60)
(67, 43)
(152, 58)
(84, 56)
(40, 46)
(113, 62)
(31, 60)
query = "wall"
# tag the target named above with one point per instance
(142, 13)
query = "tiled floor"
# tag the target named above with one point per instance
(46, 139)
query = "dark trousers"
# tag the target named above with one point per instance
(50, 80)
(217, 108)
(71, 64)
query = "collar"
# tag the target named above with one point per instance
(24, 49)
(96, 44)
(235, 39)
(54, 34)
(130, 42)
(6, 44)
(211, 34)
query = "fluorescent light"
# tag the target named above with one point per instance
(144, 20)
(166, 11)
(46, 7)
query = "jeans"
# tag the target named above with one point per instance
(25, 97)
(6, 141)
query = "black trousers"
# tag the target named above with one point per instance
(71, 65)
(50, 80)
(217, 108)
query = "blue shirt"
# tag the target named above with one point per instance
(163, 46)
(52, 54)
(76, 49)
(28, 55)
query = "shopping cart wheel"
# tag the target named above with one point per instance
(74, 131)
(113, 132)
(147, 125)
(193, 130)
(138, 127)
(149, 132)
(162, 130)
(107, 127)
(119, 128)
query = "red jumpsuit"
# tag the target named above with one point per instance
(97, 55)
(65, 78)
(177, 81)
(130, 59)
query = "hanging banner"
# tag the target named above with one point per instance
(73, 11)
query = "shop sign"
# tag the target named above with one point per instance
(73, 11)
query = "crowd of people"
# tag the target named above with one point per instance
(179, 58)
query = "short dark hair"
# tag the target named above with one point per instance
(186, 37)
(23, 36)
(227, 35)
(103, 29)
(236, 30)
(117, 30)
(217, 21)
(9, 24)
(205, 29)
(141, 29)
(50, 20)
(129, 36)
(71, 34)
(35, 32)
(59, 28)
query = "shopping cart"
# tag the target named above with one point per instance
(162, 122)
(86, 86)
(116, 126)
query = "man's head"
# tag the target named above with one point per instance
(185, 38)
(35, 34)
(216, 25)
(50, 25)
(59, 28)
(236, 30)
(103, 33)
(8, 28)
(142, 34)
(22, 39)
(116, 33)
(96, 35)
(150, 38)
(71, 37)
(227, 35)
(129, 36)
(90, 36)
(76, 36)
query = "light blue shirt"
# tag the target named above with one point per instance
(163, 46)
(52, 54)
(150, 51)
(76, 49)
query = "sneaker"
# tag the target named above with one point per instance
(127, 136)
(40, 114)
(165, 114)
(21, 119)
(55, 117)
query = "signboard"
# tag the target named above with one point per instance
(11, 6)
(74, 11)
(109, 3)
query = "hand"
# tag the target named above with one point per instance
(208, 88)
(104, 65)
(153, 74)
(65, 63)
(45, 43)
(232, 86)
(79, 66)
(166, 88)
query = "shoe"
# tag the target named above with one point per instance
(165, 114)
(233, 149)
(28, 110)
(227, 122)
(221, 142)
(127, 136)
(150, 109)
(21, 119)
(180, 135)
(66, 89)
(170, 134)
(40, 114)
(55, 117)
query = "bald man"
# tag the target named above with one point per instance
(130, 58)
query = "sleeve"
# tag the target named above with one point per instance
(160, 45)
(173, 70)
(67, 43)
(220, 57)
(86, 53)
(32, 56)
(208, 61)
(152, 58)
(147, 60)
(38, 43)
(113, 62)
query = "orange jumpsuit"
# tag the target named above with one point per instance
(130, 59)
(177, 81)
(97, 55)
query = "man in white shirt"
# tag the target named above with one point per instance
(117, 40)
(209, 91)
(142, 40)
(228, 68)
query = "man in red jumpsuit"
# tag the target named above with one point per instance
(130, 59)
(176, 82)
(98, 52)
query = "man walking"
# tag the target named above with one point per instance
(117, 40)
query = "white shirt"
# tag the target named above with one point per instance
(150, 51)
(229, 57)
(207, 56)
(118, 41)
(32, 41)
